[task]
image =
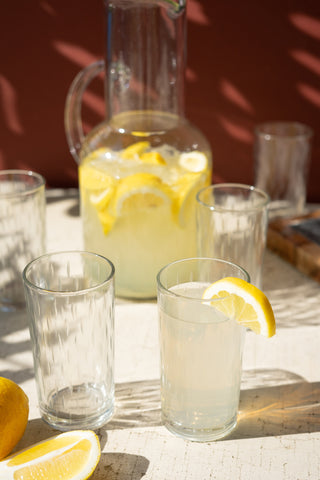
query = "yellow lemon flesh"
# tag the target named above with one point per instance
(68, 456)
(174, 184)
(244, 302)
(14, 412)
(153, 158)
(138, 192)
(136, 149)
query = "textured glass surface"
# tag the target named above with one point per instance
(22, 231)
(232, 221)
(70, 298)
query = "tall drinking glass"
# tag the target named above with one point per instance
(201, 351)
(22, 231)
(70, 300)
(232, 221)
(282, 155)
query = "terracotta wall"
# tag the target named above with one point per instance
(248, 62)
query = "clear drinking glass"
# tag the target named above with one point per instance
(70, 301)
(232, 221)
(22, 231)
(201, 351)
(282, 153)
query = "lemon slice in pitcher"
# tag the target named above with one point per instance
(193, 161)
(134, 150)
(139, 192)
(244, 302)
(153, 158)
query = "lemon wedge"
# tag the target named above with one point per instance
(139, 192)
(244, 302)
(193, 161)
(68, 456)
(134, 150)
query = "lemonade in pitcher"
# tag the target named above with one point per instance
(140, 169)
(138, 193)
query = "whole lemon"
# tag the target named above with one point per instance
(14, 412)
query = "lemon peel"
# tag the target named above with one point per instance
(14, 412)
(67, 456)
(244, 302)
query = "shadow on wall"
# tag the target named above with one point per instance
(247, 63)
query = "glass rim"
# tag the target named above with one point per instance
(265, 130)
(63, 293)
(24, 174)
(265, 199)
(172, 294)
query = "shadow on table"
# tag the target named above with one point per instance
(272, 402)
(298, 306)
(121, 466)
(137, 405)
(12, 342)
(295, 298)
(281, 403)
(59, 195)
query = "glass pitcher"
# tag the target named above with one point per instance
(140, 169)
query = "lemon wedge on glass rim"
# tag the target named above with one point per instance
(67, 456)
(244, 302)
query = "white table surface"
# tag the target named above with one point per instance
(278, 434)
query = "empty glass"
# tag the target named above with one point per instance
(70, 301)
(282, 152)
(232, 221)
(22, 231)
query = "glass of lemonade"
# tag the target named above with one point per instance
(201, 351)
(138, 188)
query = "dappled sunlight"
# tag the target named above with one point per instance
(231, 92)
(295, 298)
(241, 70)
(279, 410)
(236, 131)
(309, 93)
(307, 59)
(198, 14)
(77, 55)
(9, 98)
(310, 26)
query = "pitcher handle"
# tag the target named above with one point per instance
(72, 112)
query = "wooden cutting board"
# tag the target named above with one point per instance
(297, 240)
